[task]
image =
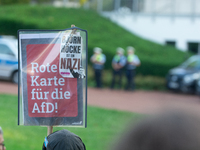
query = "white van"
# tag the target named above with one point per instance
(9, 59)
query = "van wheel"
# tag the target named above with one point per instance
(15, 77)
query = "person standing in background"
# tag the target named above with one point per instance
(2, 146)
(118, 63)
(132, 62)
(98, 59)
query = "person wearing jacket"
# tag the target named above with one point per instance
(132, 62)
(63, 140)
(98, 60)
(118, 63)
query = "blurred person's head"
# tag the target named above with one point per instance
(130, 50)
(120, 51)
(2, 147)
(97, 50)
(63, 140)
(171, 130)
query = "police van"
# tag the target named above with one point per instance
(8, 59)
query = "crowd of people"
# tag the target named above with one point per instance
(120, 64)
(174, 129)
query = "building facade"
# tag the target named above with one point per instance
(170, 22)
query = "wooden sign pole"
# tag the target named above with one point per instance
(49, 130)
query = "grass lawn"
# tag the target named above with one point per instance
(103, 126)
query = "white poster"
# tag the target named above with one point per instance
(70, 56)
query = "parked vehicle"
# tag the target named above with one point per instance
(198, 87)
(9, 59)
(185, 77)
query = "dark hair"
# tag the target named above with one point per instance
(63, 140)
(172, 130)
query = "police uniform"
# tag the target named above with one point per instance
(119, 60)
(132, 62)
(98, 59)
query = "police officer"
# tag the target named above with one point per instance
(98, 59)
(132, 62)
(118, 63)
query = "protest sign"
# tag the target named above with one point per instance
(53, 67)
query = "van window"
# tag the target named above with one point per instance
(4, 49)
(192, 63)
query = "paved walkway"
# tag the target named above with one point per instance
(138, 101)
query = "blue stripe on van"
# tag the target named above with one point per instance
(9, 62)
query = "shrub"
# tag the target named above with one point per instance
(9, 2)
(141, 82)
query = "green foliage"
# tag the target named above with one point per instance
(103, 126)
(9, 2)
(141, 82)
(43, 1)
(150, 83)
(108, 5)
(82, 2)
(156, 59)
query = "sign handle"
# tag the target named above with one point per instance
(49, 130)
